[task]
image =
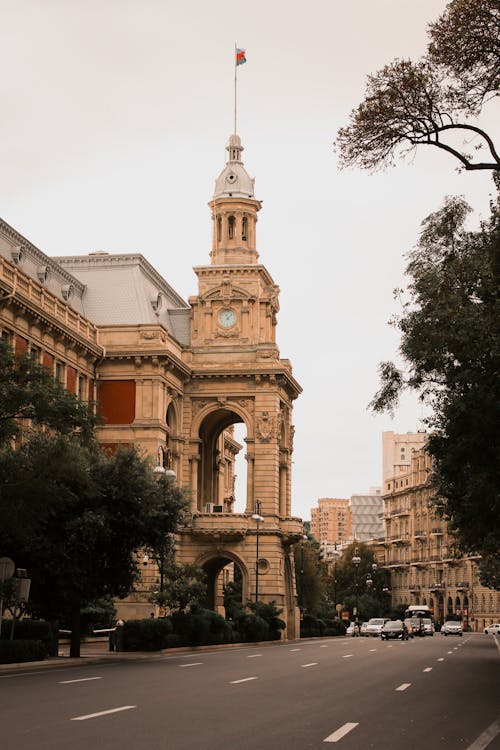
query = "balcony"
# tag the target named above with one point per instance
(414, 588)
(437, 530)
(463, 586)
(233, 527)
(400, 512)
(436, 587)
(419, 533)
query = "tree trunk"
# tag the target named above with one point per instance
(74, 649)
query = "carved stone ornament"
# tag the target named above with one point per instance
(266, 427)
(199, 404)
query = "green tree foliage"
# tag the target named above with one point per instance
(184, 586)
(28, 391)
(350, 587)
(450, 344)
(431, 101)
(311, 576)
(76, 519)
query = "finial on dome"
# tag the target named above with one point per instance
(234, 148)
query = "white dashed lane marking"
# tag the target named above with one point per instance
(102, 713)
(341, 732)
(346, 656)
(427, 669)
(83, 679)
(312, 664)
(245, 679)
(404, 686)
(253, 656)
(192, 664)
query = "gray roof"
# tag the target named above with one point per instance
(125, 289)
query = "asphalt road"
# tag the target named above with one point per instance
(348, 693)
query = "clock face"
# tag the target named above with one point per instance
(227, 318)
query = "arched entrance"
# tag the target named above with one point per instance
(222, 569)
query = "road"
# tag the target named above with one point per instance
(347, 693)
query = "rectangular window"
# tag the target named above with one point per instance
(59, 373)
(82, 389)
(71, 379)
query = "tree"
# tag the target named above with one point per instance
(429, 102)
(184, 586)
(76, 518)
(311, 574)
(28, 391)
(351, 587)
(450, 344)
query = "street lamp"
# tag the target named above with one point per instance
(257, 517)
(356, 561)
(301, 602)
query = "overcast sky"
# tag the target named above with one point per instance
(115, 115)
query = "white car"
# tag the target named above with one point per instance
(375, 625)
(452, 627)
(493, 628)
(350, 629)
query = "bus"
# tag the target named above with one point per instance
(425, 617)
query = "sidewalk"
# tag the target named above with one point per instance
(90, 653)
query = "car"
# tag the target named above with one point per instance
(394, 629)
(428, 626)
(350, 628)
(494, 628)
(375, 625)
(452, 627)
(362, 630)
(414, 626)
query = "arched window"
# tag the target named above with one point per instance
(230, 227)
(244, 228)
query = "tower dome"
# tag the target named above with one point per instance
(234, 181)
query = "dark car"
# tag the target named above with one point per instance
(414, 626)
(394, 629)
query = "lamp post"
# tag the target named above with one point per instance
(301, 602)
(259, 519)
(356, 561)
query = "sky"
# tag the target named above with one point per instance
(115, 117)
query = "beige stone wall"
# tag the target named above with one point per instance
(420, 556)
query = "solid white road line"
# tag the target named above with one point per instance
(102, 713)
(83, 679)
(427, 669)
(404, 686)
(192, 664)
(336, 736)
(486, 737)
(245, 679)
(312, 664)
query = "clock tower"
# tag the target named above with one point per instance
(237, 376)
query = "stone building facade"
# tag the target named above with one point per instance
(173, 377)
(420, 556)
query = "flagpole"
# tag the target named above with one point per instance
(235, 88)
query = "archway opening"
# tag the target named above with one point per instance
(222, 485)
(225, 585)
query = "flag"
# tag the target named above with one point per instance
(240, 56)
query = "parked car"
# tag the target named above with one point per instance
(350, 628)
(428, 626)
(394, 629)
(452, 627)
(414, 626)
(362, 630)
(494, 627)
(375, 625)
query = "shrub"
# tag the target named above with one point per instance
(33, 630)
(17, 651)
(312, 627)
(250, 628)
(335, 627)
(269, 612)
(201, 627)
(147, 635)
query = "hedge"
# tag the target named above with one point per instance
(33, 630)
(17, 651)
